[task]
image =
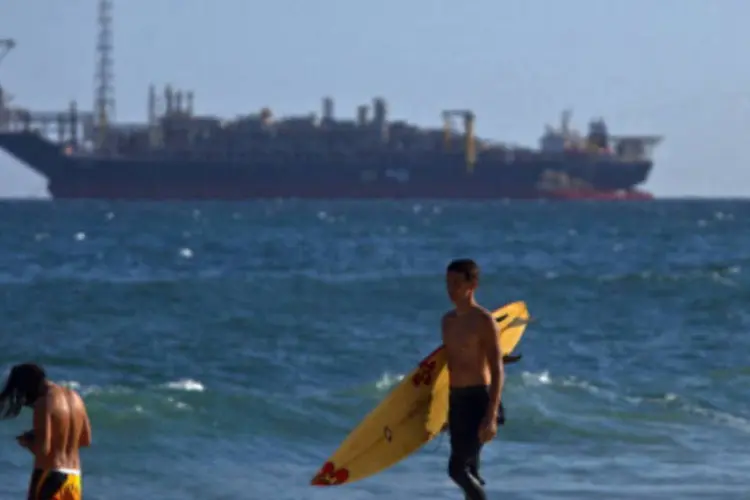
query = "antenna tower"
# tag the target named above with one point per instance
(6, 45)
(104, 100)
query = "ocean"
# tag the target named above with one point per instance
(225, 350)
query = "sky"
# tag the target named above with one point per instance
(675, 68)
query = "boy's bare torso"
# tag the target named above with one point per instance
(467, 360)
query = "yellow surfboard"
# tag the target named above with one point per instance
(414, 412)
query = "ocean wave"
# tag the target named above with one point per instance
(122, 403)
(572, 400)
(558, 406)
(185, 384)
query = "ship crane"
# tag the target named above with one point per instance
(468, 119)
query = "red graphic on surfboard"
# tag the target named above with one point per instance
(329, 475)
(425, 370)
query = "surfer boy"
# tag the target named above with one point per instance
(476, 377)
(61, 427)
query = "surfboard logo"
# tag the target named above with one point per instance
(387, 433)
(329, 475)
(424, 373)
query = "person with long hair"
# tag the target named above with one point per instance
(61, 427)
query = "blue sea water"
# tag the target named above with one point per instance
(225, 350)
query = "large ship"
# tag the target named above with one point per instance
(178, 155)
(181, 156)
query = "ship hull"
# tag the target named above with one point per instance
(215, 191)
(101, 193)
(434, 176)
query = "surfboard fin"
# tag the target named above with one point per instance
(509, 360)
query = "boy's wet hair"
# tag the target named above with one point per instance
(22, 388)
(467, 267)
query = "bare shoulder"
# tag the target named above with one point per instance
(483, 317)
(75, 398)
(447, 317)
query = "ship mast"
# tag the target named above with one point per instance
(104, 100)
(6, 45)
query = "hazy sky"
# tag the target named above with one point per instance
(672, 67)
